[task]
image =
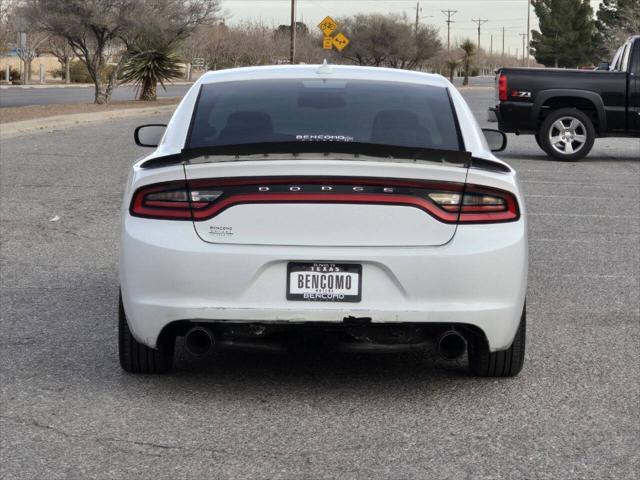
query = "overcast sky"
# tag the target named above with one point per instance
(512, 14)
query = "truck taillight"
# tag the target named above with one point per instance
(502, 88)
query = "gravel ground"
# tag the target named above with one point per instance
(68, 411)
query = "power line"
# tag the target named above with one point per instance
(480, 22)
(449, 14)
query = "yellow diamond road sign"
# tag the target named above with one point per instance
(340, 41)
(327, 43)
(328, 25)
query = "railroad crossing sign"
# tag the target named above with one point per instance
(328, 25)
(340, 41)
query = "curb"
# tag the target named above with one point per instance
(60, 122)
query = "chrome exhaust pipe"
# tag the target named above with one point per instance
(198, 341)
(451, 345)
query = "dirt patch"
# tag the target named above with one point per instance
(33, 112)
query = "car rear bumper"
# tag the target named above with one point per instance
(168, 274)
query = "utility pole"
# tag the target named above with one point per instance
(418, 17)
(524, 36)
(528, 29)
(491, 47)
(292, 55)
(480, 22)
(449, 14)
(503, 44)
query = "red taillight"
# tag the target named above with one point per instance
(502, 87)
(479, 204)
(170, 201)
(204, 199)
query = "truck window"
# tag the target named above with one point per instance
(616, 59)
(622, 58)
(635, 60)
(624, 63)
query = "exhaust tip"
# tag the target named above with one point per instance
(198, 341)
(451, 345)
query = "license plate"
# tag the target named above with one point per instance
(324, 282)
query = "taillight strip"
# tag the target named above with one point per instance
(399, 192)
(355, 198)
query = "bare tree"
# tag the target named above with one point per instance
(59, 47)
(92, 28)
(389, 40)
(6, 30)
(29, 44)
(100, 31)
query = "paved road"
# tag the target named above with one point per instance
(69, 412)
(19, 97)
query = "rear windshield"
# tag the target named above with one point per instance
(389, 113)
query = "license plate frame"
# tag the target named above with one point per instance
(322, 267)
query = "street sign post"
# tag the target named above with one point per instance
(328, 25)
(340, 41)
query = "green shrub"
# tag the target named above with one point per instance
(79, 73)
(14, 73)
(56, 73)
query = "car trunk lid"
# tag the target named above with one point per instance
(316, 201)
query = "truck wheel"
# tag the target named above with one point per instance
(136, 357)
(537, 137)
(506, 363)
(567, 134)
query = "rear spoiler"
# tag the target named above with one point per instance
(397, 153)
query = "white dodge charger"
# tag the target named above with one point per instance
(358, 207)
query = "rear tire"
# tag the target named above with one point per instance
(136, 357)
(506, 363)
(537, 137)
(572, 131)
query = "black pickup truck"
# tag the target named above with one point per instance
(567, 110)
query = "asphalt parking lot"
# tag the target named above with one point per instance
(68, 411)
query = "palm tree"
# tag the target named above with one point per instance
(469, 50)
(146, 66)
